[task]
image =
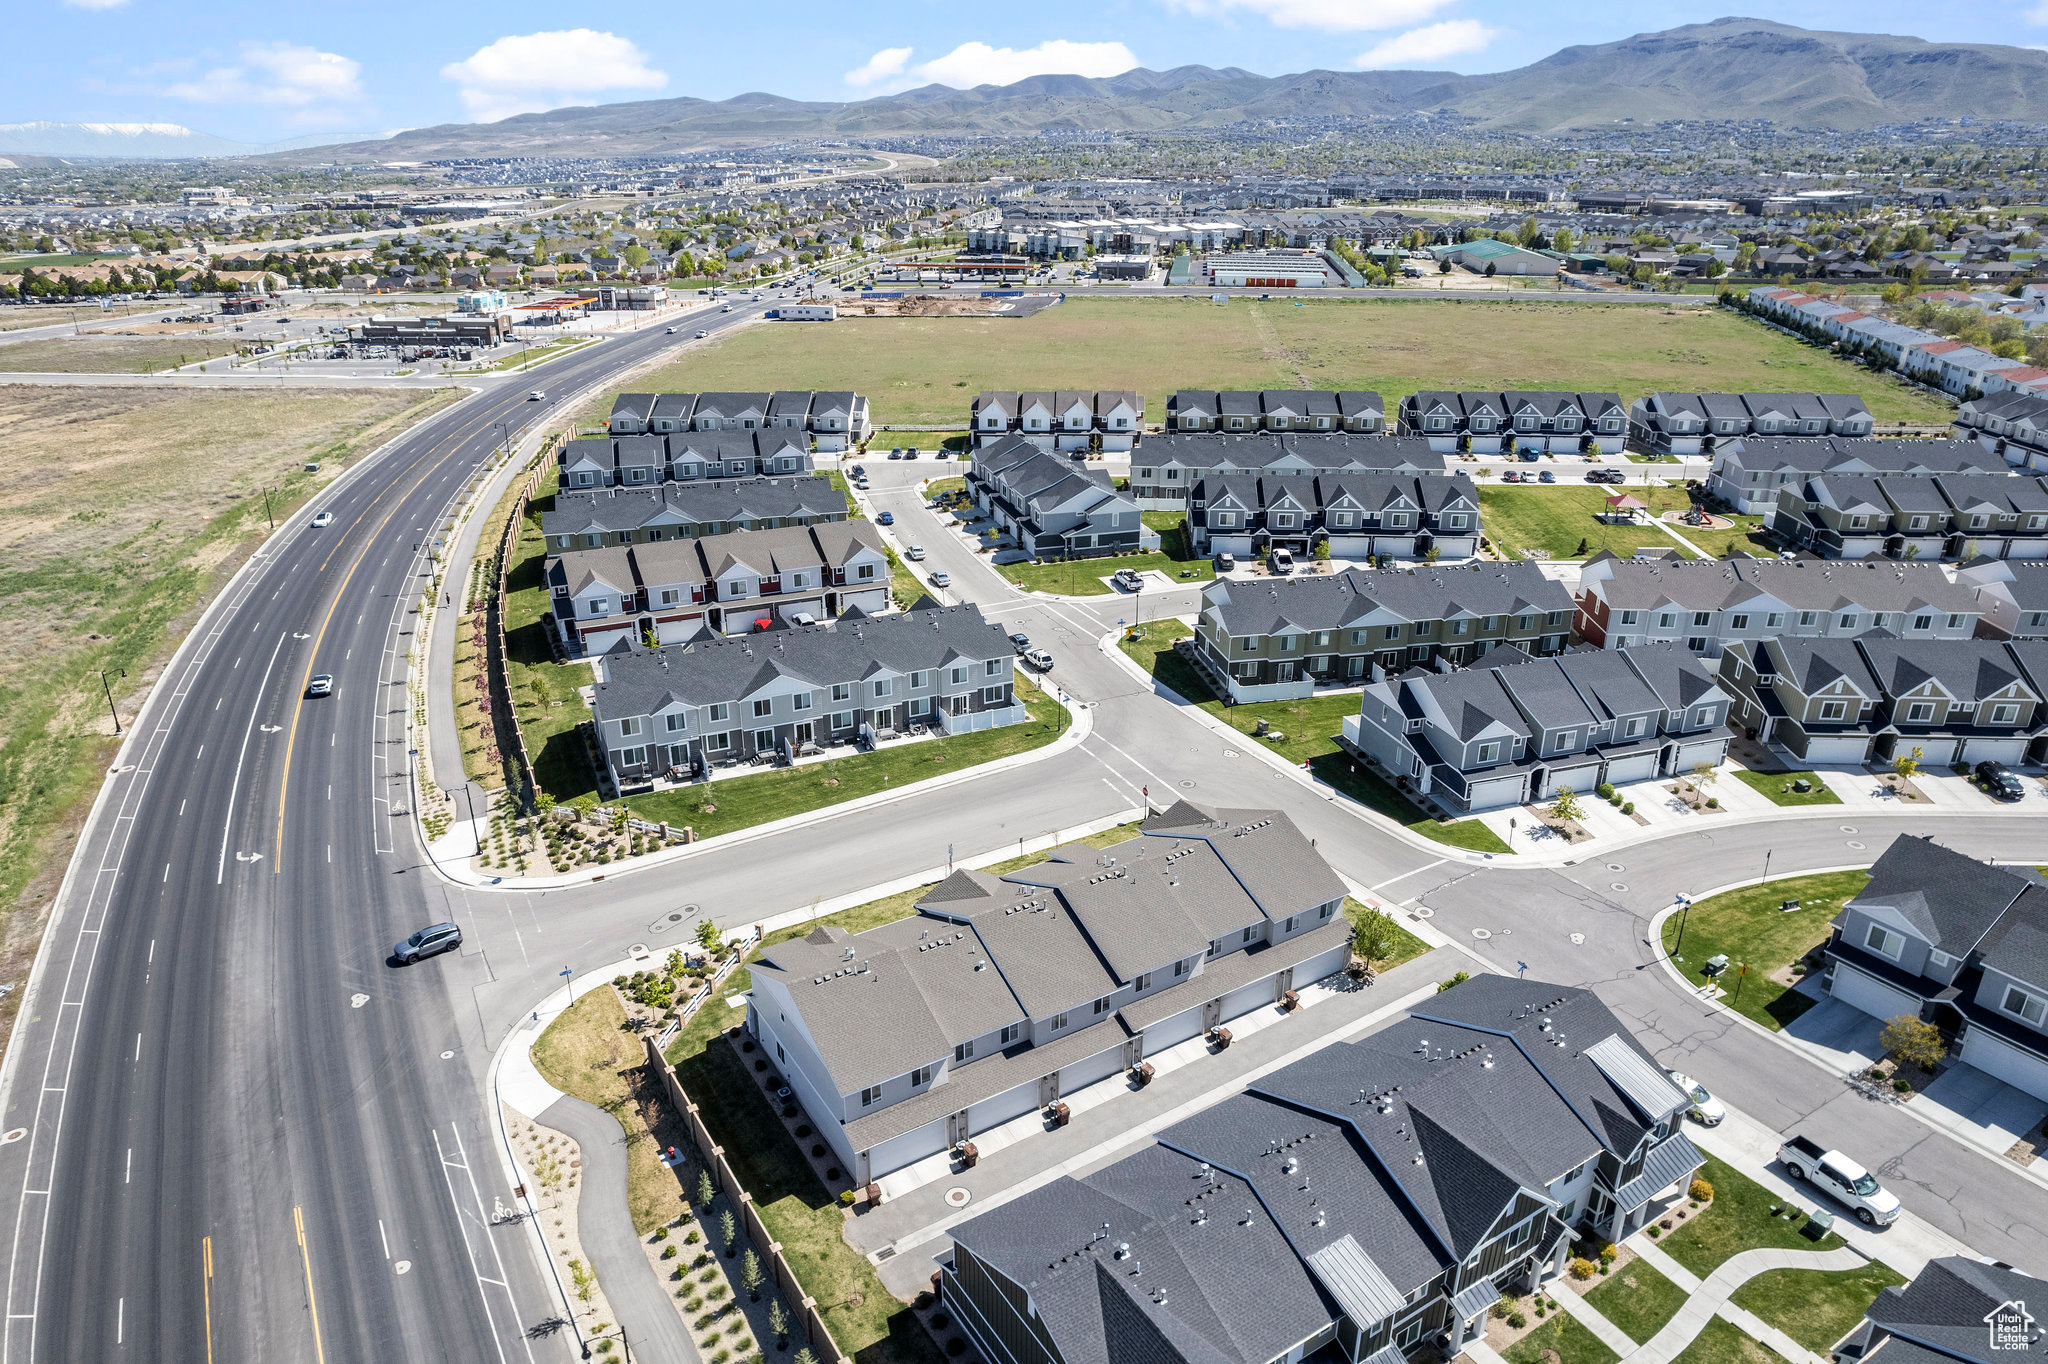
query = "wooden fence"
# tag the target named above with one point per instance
(809, 1321)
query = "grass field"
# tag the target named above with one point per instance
(920, 371)
(122, 515)
(1560, 1339)
(1722, 1342)
(43, 315)
(1638, 1299)
(1777, 787)
(1557, 521)
(1750, 928)
(1738, 1219)
(1311, 726)
(110, 354)
(544, 692)
(1816, 1307)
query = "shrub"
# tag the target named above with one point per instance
(1605, 790)
(1903, 1085)
(1502, 1307)
(1517, 1321)
(846, 1198)
(1701, 1191)
(1628, 807)
(1653, 1233)
(668, 1252)
(1608, 1250)
(691, 1236)
(1582, 1268)
(660, 1234)
(1874, 1073)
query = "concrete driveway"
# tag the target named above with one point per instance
(1839, 1036)
(1980, 1109)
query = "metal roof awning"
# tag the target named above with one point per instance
(1668, 1162)
(1475, 1299)
(1387, 1354)
(1360, 1286)
(1645, 1085)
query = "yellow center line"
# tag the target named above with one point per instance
(311, 1301)
(206, 1286)
(292, 731)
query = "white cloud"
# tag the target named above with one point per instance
(972, 64)
(95, 4)
(314, 86)
(1421, 46)
(888, 64)
(1329, 16)
(2037, 15)
(524, 72)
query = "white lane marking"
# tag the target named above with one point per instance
(483, 1223)
(128, 1170)
(1406, 874)
(138, 1046)
(382, 1237)
(228, 824)
(167, 873)
(181, 808)
(330, 852)
(238, 660)
(152, 951)
(120, 1318)
(217, 700)
(200, 754)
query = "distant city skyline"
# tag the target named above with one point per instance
(380, 67)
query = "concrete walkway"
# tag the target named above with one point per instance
(1711, 1299)
(1566, 1295)
(604, 1223)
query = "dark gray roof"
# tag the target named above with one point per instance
(1812, 664)
(1330, 601)
(1968, 669)
(1945, 1306)
(1678, 676)
(1950, 900)
(1862, 454)
(1470, 700)
(612, 510)
(2022, 949)
(1801, 584)
(1334, 450)
(1271, 859)
(1544, 693)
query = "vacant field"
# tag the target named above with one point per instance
(125, 509)
(42, 315)
(927, 370)
(110, 354)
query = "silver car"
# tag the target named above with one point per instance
(428, 941)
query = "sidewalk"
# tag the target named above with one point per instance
(1710, 1299)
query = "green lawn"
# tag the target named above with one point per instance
(1816, 1307)
(1777, 786)
(838, 481)
(1556, 521)
(1564, 1337)
(905, 587)
(1722, 1342)
(1746, 536)
(1311, 727)
(530, 356)
(925, 371)
(1738, 1219)
(1638, 1299)
(1750, 928)
(588, 1052)
(1407, 947)
(743, 802)
(1083, 577)
(945, 487)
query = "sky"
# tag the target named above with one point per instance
(263, 73)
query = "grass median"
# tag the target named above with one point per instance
(1310, 727)
(1776, 787)
(1816, 1307)
(1752, 928)
(1738, 1219)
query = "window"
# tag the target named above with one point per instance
(962, 1051)
(1735, 622)
(1847, 620)
(1288, 927)
(1012, 1033)
(1246, 646)
(800, 701)
(920, 705)
(865, 572)
(1834, 710)
(1326, 911)
(869, 1095)
(670, 596)
(991, 696)
(1488, 752)
(1774, 620)
(994, 666)
(1248, 933)
(1566, 1213)
(1884, 942)
(1059, 1021)
(1920, 712)
(959, 676)
(2004, 714)
(1633, 727)
(1955, 622)
(842, 719)
(882, 686)
(1562, 742)
(1215, 948)
(718, 743)
(763, 707)
(1939, 959)
(1703, 716)
(2018, 1001)
(1458, 627)
(629, 726)
(721, 710)
(919, 680)
(1142, 983)
(675, 722)
(1809, 618)
(1667, 620)
(632, 757)
(1522, 1233)
(1703, 618)
(1180, 968)
(1923, 622)
(920, 1077)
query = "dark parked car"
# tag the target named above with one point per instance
(2001, 781)
(1546, 477)
(428, 941)
(886, 519)
(1020, 641)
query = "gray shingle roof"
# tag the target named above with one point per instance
(1802, 584)
(612, 510)
(1952, 900)
(1256, 450)
(1969, 669)
(1333, 600)
(1945, 1306)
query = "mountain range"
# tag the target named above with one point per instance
(1737, 69)
(133, 141)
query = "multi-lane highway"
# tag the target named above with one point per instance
(244, 1134)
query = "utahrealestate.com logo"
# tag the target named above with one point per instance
(2012, 1326)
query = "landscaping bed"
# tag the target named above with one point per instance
(1749, 927)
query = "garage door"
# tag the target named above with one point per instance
(1996, 1057)
(1169, 1031)
(1492, 795)
(1318, 967)
(1871, 995)
(1837, 748)
(1086, 1072)
(1245, 998)
(1636, 767)
(1688, 754)
(907, 1149)
(1013, 1102)
(1994, 750)
(1580, 779)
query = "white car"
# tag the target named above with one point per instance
(702, 335)
(1706, 1110)
(535, 396)
(323, 519)
(668, 331)
(942, 579)
(914, 553)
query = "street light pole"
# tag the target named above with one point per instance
(1684, 913)
(266, 509)
(110, 694)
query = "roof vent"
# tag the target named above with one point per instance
(1123, 1250)
(1418, 1158)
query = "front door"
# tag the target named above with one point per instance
(1048, 1090)
(803, 733)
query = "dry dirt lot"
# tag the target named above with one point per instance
(125, 510)
(110, 354)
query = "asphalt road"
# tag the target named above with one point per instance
(246, 1134)
(239, 1118)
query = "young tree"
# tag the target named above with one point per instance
(1565, 805)
(706, 1190)
(1907, 765)
(803, 1356)
(709, 938)
(1703, 776)
(778, 1322)
(1373, 936)
(751, 1277)
(728, 1232)
(1913, 1041)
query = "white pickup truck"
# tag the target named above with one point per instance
(1873, 1204)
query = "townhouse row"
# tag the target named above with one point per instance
(646, 461)
(1513, 729)
(1053, 507)
(1946, 516)
(671, 591)
(1927, 356)
(835, 421)
(1699, 423)
(1064, 419)
(1370, 1201)
(1166, 467)
(1357, 411)
(1355, 516)
(1496, 423)
(674, 711)
(587, 518)
(2013, 425)
(1748, 473)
